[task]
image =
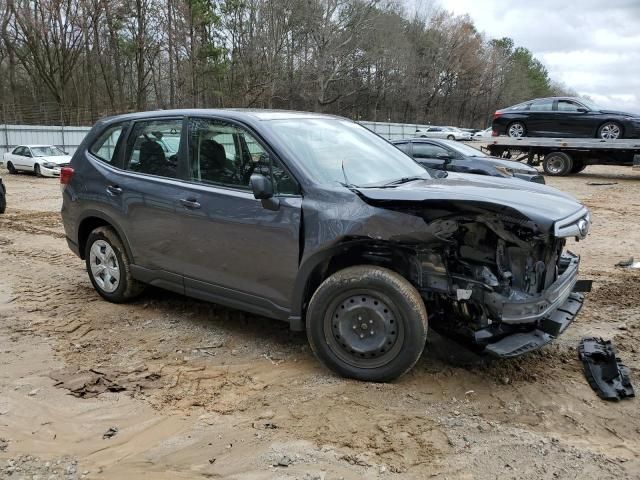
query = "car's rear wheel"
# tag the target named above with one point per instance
(367, 323)
(557, 163)
(108, 266)
(516, 130)
(450, 137)
(3, 202)
(11, 168)
(610, 131)
(37, 171)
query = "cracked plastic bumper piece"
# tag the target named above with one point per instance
(604, 371)
(547, 330)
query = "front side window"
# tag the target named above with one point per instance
(333, 150)
(105, 146)
(221, 153)
(405, 147)
(427, 150)
(152, 147)
(542, 106)
(567, 106)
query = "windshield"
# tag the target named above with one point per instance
(50, 151)
(335, 150)
(466, 149)
(589, 104)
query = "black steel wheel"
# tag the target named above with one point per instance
(367, 323)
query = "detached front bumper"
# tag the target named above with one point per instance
(529, 323)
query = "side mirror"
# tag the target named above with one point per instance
(443, 156)
(263, 190)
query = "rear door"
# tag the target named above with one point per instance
(150, 193)
(20, 159)
(235, 250)
(541, 119)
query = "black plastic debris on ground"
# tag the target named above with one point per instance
(604, 371)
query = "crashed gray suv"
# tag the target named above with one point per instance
(314, 220)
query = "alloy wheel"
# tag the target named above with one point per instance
(610, 131)
(516, 130)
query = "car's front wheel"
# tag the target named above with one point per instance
(367, 323)
(516, 130)
(37, 171)
(108, 266)
(610, 131)
(11, 168)
(450, 137)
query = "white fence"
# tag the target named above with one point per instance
(67, 138)
(393, 131)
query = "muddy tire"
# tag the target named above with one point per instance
(557, 164)
(367, 323)
(108, 266)
(37, 171)
(578, 166)
(12, 170)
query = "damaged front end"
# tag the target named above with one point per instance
(499, 282)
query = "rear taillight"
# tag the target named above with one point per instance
(66, 174)
(497, 114)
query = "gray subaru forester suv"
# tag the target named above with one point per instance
(315, 220)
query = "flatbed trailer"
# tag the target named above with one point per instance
(564, 156)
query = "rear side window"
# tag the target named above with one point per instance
(153, 147)
(542, 106)
(105, 146)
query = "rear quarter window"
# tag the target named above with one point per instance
(105, 146)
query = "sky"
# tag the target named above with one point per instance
(591, 46)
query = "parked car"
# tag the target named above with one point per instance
(565, 117)
(43, 160)
(450, 133)
(3, 197)
(315, 220)
(485, 134)
(452, 156)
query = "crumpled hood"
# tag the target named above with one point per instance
(540, 203)
(58, 159)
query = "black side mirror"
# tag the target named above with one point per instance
(263, 190)
(443, 156)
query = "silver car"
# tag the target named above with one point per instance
(449, 133)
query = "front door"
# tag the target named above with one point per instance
(430, 155)
(235, 250)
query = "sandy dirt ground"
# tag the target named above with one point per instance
(194, 390)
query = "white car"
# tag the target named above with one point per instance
(483, 134)
(450, 133)
(43, 160)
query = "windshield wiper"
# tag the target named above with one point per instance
(402, 180)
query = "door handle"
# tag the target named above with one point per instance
(190, 203)
(114, 190)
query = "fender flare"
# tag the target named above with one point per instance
(108, 219)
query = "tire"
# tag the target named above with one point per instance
(11, 168)
(3, 202)
(516, 130)
(610, 131)
(450, 137)
(359, 301)
(107, 242)
(557, 164)
(578, 166)
(36, 170)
